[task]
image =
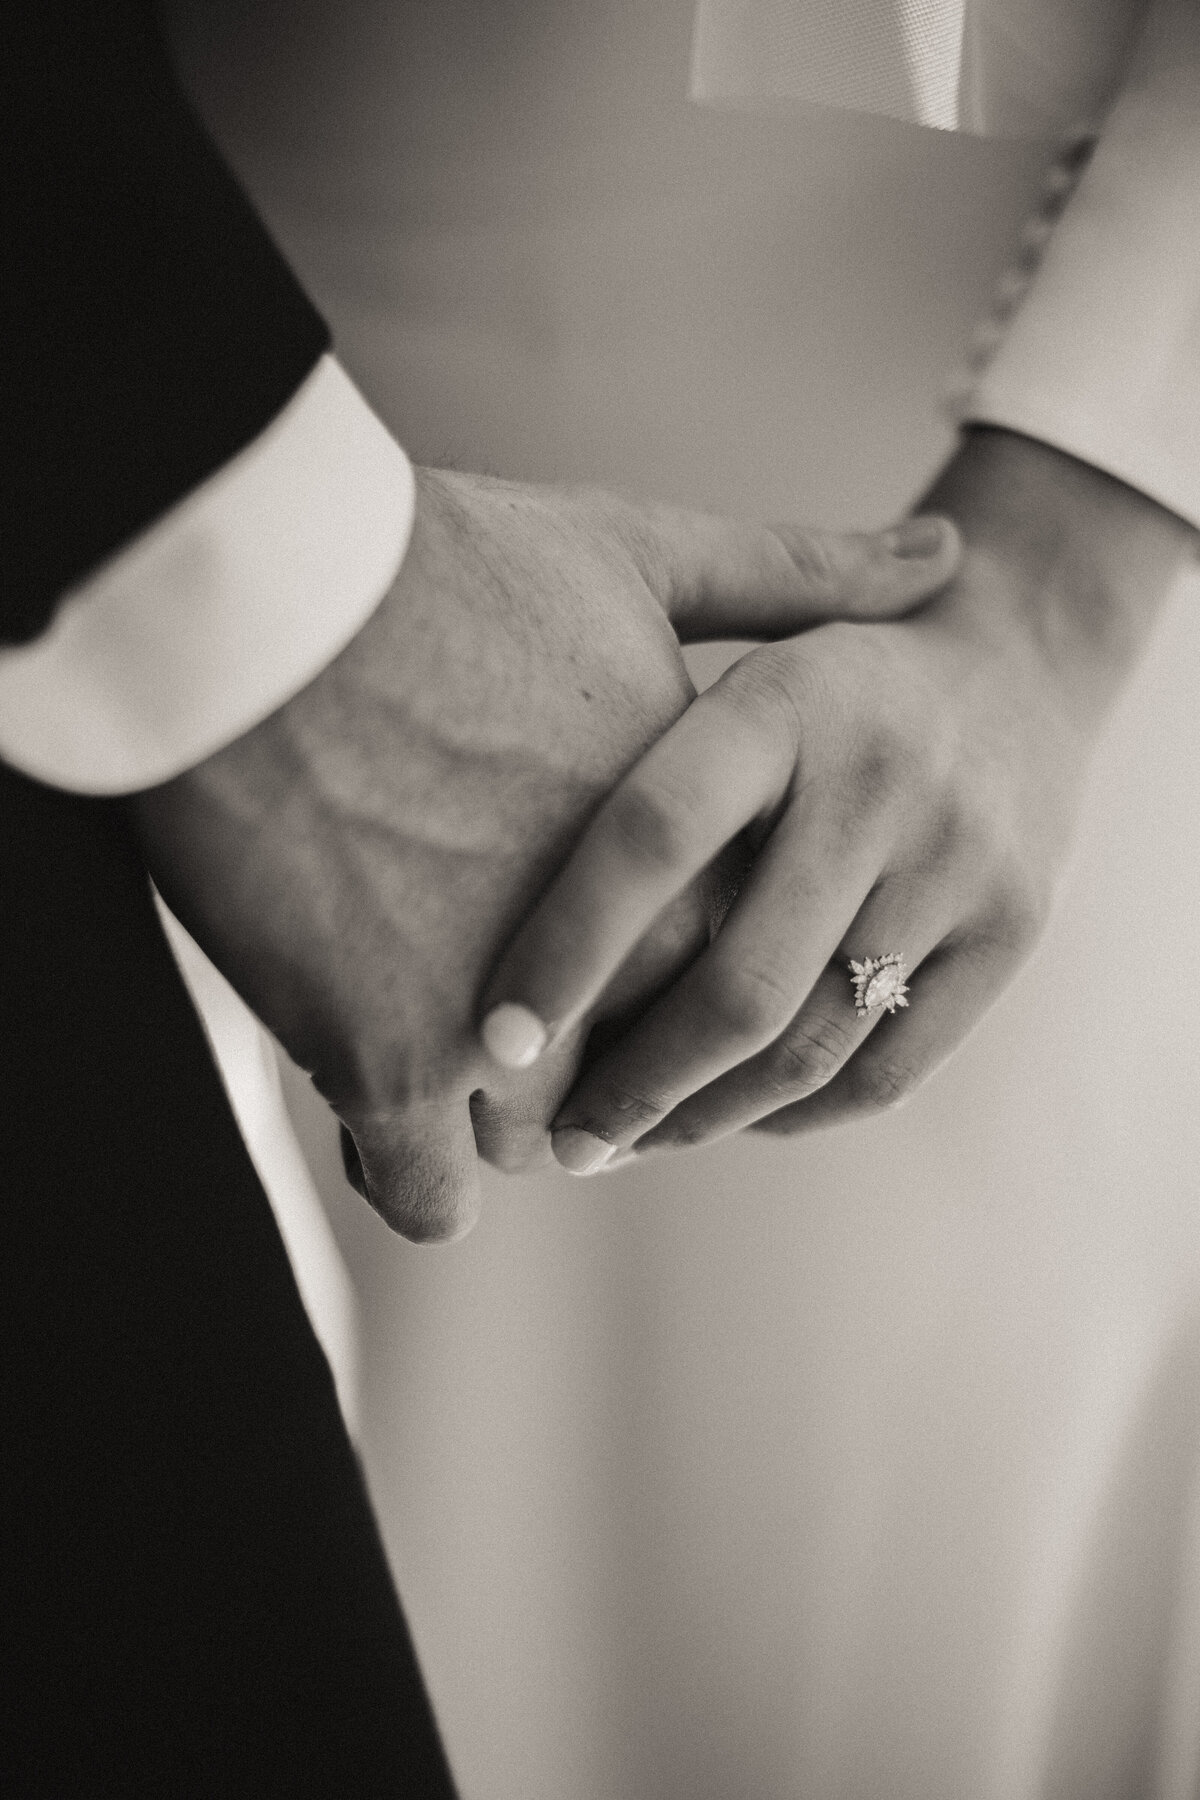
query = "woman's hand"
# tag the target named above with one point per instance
(354, 863)
(909, 786)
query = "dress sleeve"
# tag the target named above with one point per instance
(1102, 356)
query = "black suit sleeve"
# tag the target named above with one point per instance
(194, 1596)
(150, 329)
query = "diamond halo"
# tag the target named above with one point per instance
(879, 984)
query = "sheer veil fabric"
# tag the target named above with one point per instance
(996, 68)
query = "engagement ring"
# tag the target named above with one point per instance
(879, 984)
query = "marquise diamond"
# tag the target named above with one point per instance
(879, 984)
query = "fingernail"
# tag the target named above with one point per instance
(513, 1035)
(579, 1152)
(915, 538)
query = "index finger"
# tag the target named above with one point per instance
(719, 767)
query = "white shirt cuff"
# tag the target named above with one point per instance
(1102, 359)
(220, 611)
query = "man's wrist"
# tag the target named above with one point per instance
(1086, 562)
(221, 611)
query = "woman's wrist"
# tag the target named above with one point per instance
(1083, 563)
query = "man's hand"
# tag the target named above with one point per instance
(354, 863)
(912, 785)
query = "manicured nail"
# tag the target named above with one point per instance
(915, 539)
(580, 1152)
(513, 1035)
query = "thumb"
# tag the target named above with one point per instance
(417, 1168)
(729, 578)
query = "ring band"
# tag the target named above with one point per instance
(879, 984)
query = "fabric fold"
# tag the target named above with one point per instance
(995, 68)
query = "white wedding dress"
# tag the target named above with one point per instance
(865, 1467)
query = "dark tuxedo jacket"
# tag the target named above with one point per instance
(194, 1598)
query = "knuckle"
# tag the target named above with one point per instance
(880, 1084)
(959, 837)
(970, 823)
(766, 693)
(747, 1003)
(819, 567)
(374, 1072)
(650, 825)
(891, 766)
(811, 1053)
(636, 529)
(689, 1131)
(1016, 914)
(620, 1113)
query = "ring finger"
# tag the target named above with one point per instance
(959, 983)
(738, 995)
(828, 1030)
